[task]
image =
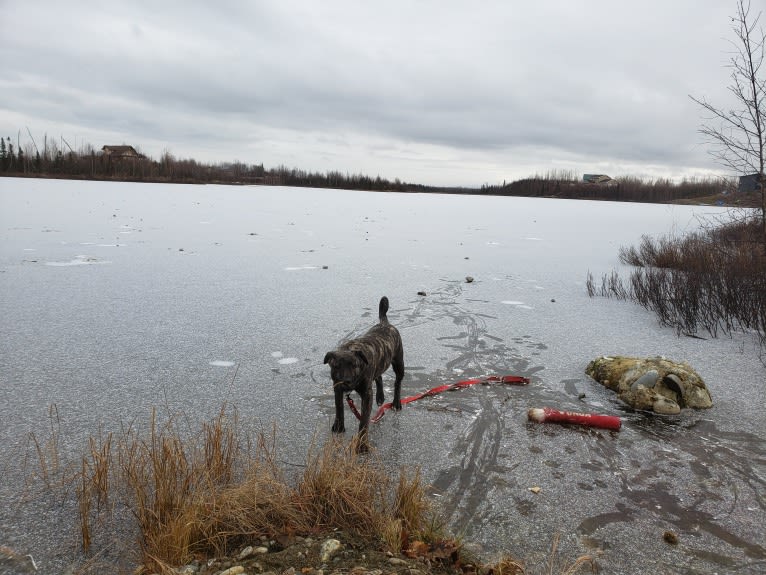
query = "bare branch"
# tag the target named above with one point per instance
(738, 136)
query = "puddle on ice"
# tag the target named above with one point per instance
(298, 268)
(530, 239)
(221, 363)
(276, 354)
(79, 261)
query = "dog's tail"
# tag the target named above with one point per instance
(383, 309)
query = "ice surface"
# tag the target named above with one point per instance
(282, 275)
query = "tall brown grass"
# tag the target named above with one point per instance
(208, 493)
(211, 491)
(48, 459)
(508, 565)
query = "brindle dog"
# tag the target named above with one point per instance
(356, 363)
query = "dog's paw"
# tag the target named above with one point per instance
(380, 398)
(361, 443)
(363, 447)
(397, 405)
(338, 427)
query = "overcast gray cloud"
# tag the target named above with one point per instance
(430, 91)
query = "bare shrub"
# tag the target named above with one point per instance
(712, 281)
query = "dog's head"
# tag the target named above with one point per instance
(346, 368)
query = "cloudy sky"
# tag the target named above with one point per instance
(438, 92)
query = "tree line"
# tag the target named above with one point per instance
(56, 159)
(622, 189)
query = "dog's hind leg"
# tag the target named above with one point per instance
(380, 397)
(398, 365)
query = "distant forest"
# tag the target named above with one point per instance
(56, 159)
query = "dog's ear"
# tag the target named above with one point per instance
(329, 356)
(361, 357)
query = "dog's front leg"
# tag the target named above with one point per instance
(338, 426)
(364, 421)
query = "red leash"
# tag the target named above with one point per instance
(508, 379)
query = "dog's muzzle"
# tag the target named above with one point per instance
(343, 385)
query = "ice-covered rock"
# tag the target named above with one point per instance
(654, 384)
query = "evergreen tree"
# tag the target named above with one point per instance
(11, 155)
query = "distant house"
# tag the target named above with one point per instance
(120, 152)
(749, 183)
(596, 178)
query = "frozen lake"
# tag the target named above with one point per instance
(116, 298)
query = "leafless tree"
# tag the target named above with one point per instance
(738, 135)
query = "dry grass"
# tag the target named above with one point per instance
(48, 460)
(209, 492)
(511, 566)
(206, 494)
